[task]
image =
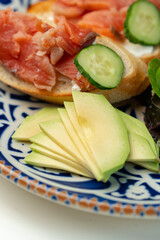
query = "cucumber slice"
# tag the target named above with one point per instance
(100, 65)
(142, 24)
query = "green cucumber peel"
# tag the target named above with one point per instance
(154, 75)
(93, 80)
(87, 76)
(144, 39)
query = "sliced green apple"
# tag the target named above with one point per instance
(144, 151)
(50, 154)
(152, 166)
(139, 127)
(44, 141)
(90, 162)
(141, 152)
(70, 108)
(56, 131)
(71, 111)
(104, 130)
(30, 125)
(40, 160)
(89, 137)
(140, 149)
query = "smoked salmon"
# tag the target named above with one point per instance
(30, 48)
(67, 68)
(102, 21)
(73, 8)
(69, 11)
(100, 16)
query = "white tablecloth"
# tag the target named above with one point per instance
(24, 216)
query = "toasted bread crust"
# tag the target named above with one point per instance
(61, 93)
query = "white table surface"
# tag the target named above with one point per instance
(28, 217)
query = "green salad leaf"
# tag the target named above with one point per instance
(154, 75)
(158, 77)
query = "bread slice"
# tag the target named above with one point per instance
(43, 10)
(134, 80)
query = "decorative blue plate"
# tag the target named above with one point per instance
(131, 192)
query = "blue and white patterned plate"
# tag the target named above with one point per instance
(132, 192)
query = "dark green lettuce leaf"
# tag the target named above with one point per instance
(154, 75)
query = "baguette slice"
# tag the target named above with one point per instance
(134, 80)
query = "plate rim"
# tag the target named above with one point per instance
(72, 200)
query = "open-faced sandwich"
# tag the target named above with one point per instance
(116, 19)
(51, 57)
